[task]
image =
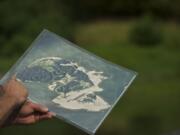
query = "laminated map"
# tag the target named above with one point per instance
(80, 87)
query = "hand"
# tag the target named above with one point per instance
(13, 89)
(31, 113)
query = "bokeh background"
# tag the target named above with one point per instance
(143, 35)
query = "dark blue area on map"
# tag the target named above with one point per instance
(40, 74)
(35, 74)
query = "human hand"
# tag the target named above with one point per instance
(15, 91)
(31, 113)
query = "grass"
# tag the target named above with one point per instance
(6, 64)
(151, 105)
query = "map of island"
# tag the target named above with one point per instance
(76, 88)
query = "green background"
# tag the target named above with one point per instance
(151, 104)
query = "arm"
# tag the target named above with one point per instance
(7, 106)
(12, 96)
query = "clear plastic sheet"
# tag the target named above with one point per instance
(78, 86)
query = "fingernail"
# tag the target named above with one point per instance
(45, 109)
(53, 114)
(18, 80)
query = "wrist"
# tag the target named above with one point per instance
(11, 98)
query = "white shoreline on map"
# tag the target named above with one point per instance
(75, 99)
(45, 63)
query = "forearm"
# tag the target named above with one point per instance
(7, 106)
(12, 96)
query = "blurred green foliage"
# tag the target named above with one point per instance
(151, 105)
(146, 32)
(123, 8)
(21, 21)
